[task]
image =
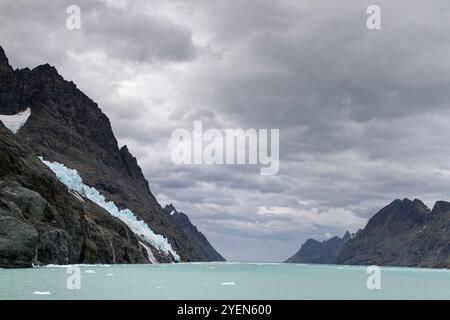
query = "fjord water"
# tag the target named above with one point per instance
(224, 281)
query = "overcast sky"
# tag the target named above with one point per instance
(363, 115)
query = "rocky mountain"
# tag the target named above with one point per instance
(67, 127)
(41, 222)
(197, 240)
(325, 252)
(404, 233)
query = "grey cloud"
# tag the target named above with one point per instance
(138, 37)
(128, 35)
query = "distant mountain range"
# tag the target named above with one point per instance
(325, 252)
(404, 233)
(44, 218)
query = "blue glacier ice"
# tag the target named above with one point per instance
(72, 180)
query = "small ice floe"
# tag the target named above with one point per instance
(75, 265)
(89, 271)
(109, 275)
(16, 121)
(42, 293)
(93, 265)
(54, 266)
(228, 283)
(159, 287)
(211, 268)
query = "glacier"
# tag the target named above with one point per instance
(72, 180)
(16, 121)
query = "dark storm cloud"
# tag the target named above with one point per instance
(363, 115)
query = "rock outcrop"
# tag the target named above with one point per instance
(325, 252)
(197, 241)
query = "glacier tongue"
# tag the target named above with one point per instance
(16, 121)
(72, 180)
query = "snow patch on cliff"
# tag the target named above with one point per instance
(16, 121)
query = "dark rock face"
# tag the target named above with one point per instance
(325, 252)
(11, 97)
(41, 222)
(66, 126)
(197, 241)
(404, 233)
(17, 243)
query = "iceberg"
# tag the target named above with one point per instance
(72, 180)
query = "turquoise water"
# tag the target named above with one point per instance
(223, 281)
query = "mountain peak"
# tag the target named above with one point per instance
(46, 69)
(347, 236)
(197, 240)
(440, 207)
(4, 62)
(170, 209)
(399, 215)
(325, 252)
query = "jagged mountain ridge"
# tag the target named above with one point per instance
(196, 238)
(404, 233)
(325, 252)
(66, 126)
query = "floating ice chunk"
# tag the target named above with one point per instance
(73, 181)
(228, 284)
(89, 271)
(42, 292)
(71, 265)
(16, 121)
(109, 275)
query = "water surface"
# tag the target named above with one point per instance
(223, 281)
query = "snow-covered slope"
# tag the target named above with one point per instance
(73, 181)
(16, 121)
